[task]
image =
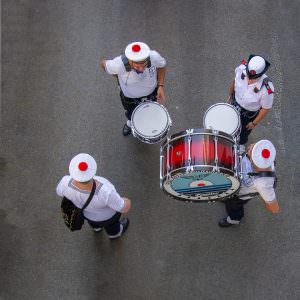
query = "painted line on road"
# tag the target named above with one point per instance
(276, 110)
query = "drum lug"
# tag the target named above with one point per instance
(133, 132)
(161, 169)
(216, 168)
(190, 168)
(168, 156)
(189, 132)
(236, 156)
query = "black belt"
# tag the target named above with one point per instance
(151, 97)
(243, 112)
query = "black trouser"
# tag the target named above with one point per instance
(130, 104)
(235, 208)
(246, 117)
(111, 226)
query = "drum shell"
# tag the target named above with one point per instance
(202, 151)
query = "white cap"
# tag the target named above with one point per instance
(263, 154)
(82, 167)
(256, 65)
(137, 51)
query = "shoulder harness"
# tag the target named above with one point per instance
(127, 65)
(266, 80)
(265, 174)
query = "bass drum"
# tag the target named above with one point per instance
(199, 165)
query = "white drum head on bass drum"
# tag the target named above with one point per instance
(150, 119)
(222, 117)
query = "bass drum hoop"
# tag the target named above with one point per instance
(201, 197)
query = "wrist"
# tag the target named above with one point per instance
(254, 123)
(160, 84)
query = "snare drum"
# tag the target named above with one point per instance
(223, 117)
(150, 122)
(199, 165)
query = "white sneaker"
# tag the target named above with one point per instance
(97, 229)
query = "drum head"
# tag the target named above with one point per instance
(201, 186)
(150, 119)
(222, 117)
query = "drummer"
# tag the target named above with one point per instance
(252, 93)
(259, 162)
(141, 76)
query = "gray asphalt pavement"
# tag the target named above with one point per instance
(57, 103)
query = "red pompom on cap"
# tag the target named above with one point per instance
(265, 153)
(83, 166)
(136, 48)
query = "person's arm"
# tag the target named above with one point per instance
(112, 66)
(231, 91)
(103, 64)
(61, 186)
(261, 115)
(161, 73)
(267, 193)
(273, 206)
(118, 203)
(127, 205)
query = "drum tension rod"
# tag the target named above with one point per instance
(216, 168)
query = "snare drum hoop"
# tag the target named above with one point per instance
(238, 128)
(155, 138)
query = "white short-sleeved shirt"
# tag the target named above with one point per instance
(264, 186)
(245, 95)
(134, 85)
(105, 203)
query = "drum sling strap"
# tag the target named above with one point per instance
(265, 174)
(261, 174)
(127, 65)
(129, 69)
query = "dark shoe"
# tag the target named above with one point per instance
(125, 224)
(223, 223)
(126, 130)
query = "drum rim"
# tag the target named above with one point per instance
(207, 132)
(229, 105)
(185, 169)
(162, 133)
(153, 140)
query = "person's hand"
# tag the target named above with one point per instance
(250, 125)
(161, 95)
(127, 205)
(273, 207)
(228, 100)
